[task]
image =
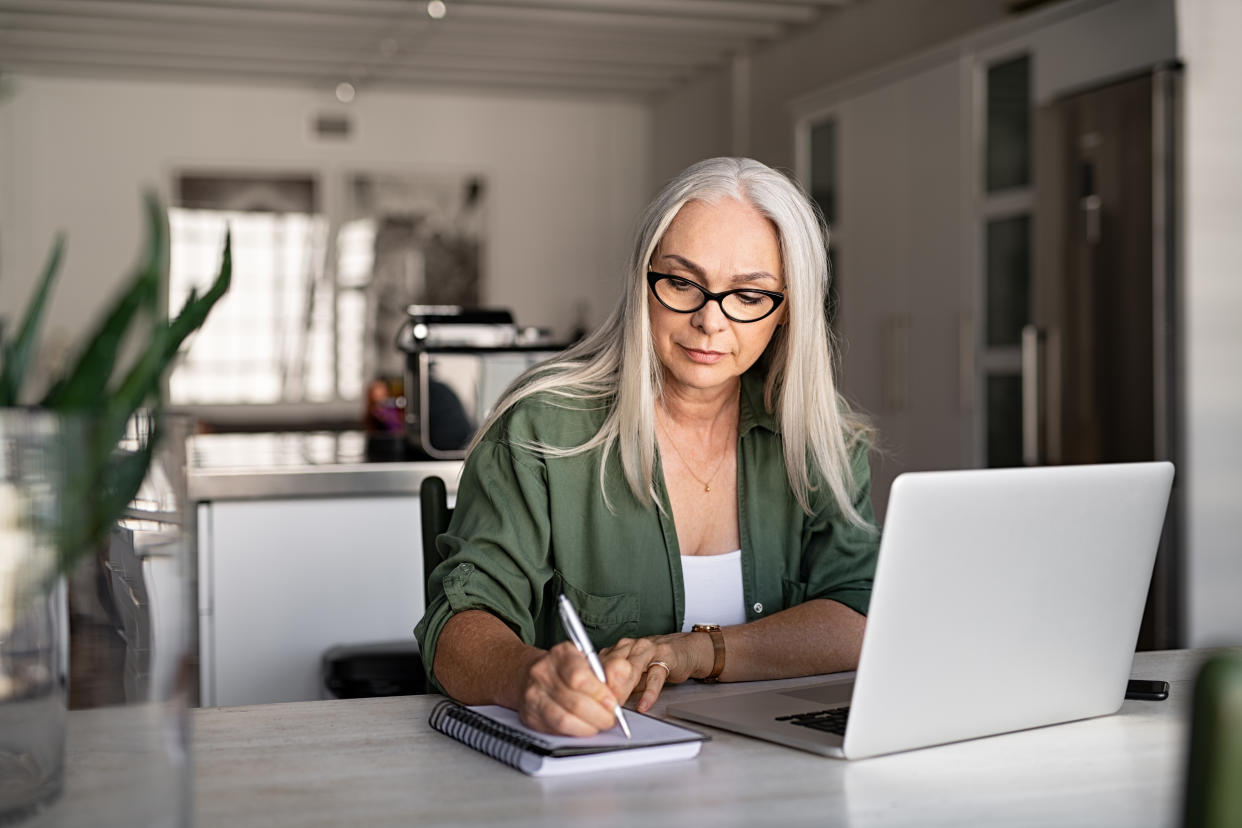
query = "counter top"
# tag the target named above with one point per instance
(377, 762)
(302, 464)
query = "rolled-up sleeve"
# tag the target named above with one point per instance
(839, 558)
(495, 552)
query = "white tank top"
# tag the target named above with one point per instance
(713, 589)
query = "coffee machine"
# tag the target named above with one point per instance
(458, 362)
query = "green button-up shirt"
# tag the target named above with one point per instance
(527, 527)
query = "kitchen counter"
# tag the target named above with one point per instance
(306, 532)
(378, 762)
(301, 464)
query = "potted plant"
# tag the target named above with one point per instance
(64, 482)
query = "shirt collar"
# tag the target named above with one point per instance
(752, 412)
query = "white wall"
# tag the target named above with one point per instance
(1209, 35)
(566, 177)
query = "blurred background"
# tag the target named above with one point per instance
(1033, 211)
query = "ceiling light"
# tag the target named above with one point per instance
(345, 92)
(436, 9)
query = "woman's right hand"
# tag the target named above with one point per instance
(562, 694)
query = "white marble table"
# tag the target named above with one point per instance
(376, 762)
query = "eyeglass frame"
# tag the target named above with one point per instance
(653, 277)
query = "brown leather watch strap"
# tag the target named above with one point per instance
(718, 649)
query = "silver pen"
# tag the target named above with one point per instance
(578, 634)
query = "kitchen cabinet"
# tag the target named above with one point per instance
(282, 580)
(301, 545)
(906, 300)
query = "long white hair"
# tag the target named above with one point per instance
(617, 365)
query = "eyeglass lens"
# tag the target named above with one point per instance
(686, 296)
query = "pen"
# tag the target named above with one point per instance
(578, 635)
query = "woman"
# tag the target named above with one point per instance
(689, 463)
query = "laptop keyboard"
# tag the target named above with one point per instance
(830, 721)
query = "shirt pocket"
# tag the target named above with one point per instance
(607, 618)
(792, 592)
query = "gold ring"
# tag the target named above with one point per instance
(667, 670)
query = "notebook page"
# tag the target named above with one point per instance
(645, 729)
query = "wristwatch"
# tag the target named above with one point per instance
(718, 648)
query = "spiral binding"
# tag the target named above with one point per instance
(481, 733)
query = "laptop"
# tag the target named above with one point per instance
(1004, 599)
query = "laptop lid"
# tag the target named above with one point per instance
(1003, 599)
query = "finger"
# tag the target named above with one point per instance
(622, 648)
(656, 676)
(563, 694)
(543, 714)
(621, 676)
(638, 653)
(581, 692)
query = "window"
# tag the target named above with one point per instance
(1008, 155)
(824, 193)
(1007, 262)
(318, 293)
(1004, 222)
(266, 340)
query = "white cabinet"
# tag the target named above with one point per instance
(280, 581)
(906, 294)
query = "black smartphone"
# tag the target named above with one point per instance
(1147, 690)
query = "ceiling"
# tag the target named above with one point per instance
(617, 47)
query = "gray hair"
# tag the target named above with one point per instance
(618, 364)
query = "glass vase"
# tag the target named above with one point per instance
(33, 613)
(111, 734)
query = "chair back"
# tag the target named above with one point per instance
(435, 513)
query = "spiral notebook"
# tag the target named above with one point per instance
(497, 732)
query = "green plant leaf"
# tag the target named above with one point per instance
(194, 312)
(98, 496)
(86, 382)
(17, 352)
(104, 478)
(141, 385)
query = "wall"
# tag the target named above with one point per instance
(691, 123)
(696, 121)
(6, 202)
(566, 177)
(848, 42)
(1208, 37)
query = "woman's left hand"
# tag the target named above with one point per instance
(657, 660)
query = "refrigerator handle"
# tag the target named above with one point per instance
(1032, 403)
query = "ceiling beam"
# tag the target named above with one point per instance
(777, 11)
(230, 41)
(327, 73)
(123, 49)
(630, 47)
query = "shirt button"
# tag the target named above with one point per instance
(758, 608)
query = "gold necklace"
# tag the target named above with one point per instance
(706, 484)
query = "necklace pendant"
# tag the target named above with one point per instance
(707, 488)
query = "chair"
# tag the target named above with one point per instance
(391, 668)
(436, 514)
